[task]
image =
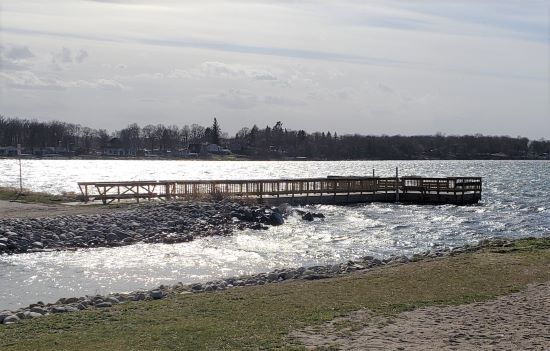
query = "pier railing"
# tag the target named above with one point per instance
(276, 188)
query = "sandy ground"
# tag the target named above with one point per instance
(10, 209)
(519, 321)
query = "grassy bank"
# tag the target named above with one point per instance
(11, 194)
(261, 316)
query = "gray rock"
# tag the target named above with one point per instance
(112, 300)
(58, 309)
(31, 315)
(71, 309)
(276, 219)
(37, 309)
(3, 315)
(104, 304)
(10, 319)
(156, 294)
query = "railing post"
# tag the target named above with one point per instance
(396, 184)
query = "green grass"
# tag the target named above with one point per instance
(260, 317)
(8, 193)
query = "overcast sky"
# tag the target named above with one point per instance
(369, 67)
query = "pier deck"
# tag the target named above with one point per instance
(330, 190)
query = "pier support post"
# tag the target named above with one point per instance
(396, 184)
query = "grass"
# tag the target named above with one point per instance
(9, 194)
(260, 317)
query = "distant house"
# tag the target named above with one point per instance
(8, 151)
(110, 151)
(184, 153)
(236, 145)
(206, 148)
(114, 148)
(216, 149)
(198, 148)
(50, 151)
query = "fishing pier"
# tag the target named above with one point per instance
(329, 190)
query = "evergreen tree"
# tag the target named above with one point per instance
(215, 133)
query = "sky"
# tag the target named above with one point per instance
(367, 67)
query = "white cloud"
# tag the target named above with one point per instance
(63, 56)
(19, 53)
(81, 56)
(214, 69)
(233, 99)
(29, 80)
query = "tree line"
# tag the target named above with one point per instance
(270, 142)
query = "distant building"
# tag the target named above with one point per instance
(49, 151)
(110, 151)
(8, 151)
(206, 148)
(216, 149)
(236, 145)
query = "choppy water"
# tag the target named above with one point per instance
(516, 203)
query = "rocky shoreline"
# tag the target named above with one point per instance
(74, 304)
(171, 222)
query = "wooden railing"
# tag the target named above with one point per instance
(260, 188)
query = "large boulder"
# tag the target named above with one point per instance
(276, 218)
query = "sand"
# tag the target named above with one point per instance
(520, 321)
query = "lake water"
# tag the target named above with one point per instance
(516, 203)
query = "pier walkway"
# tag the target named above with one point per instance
(330, 190)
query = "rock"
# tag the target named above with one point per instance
(272, 277)
(10, 319)
(276, 219)
(3, 315)
(137, 296)
(104, 304)
(69, 308)
(31, 315)
(71, 300)
(37, 309)
(156, 294)
(307, 216)
(112, 300)
(58, 309)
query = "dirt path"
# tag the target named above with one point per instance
(10, 209)
(519, 321)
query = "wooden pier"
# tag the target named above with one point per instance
(330, 190)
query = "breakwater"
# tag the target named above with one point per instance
(168, 223)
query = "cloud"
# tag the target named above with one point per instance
(19, 53)
(214, 69)
(229, 47)
(244, 99)
(384, 88)
(234, 99)
(64, 56)
(81, 56)
(29, 80)
(282, 101)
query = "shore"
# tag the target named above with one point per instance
(344, 310)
